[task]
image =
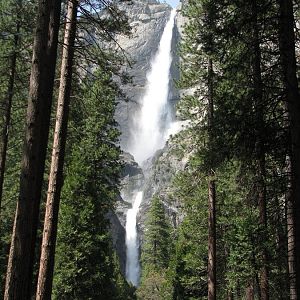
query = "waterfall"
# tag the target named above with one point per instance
(151, 122)
(132, 254)
(149, 133)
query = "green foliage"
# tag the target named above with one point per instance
(155, 255)
(228, 33)
(124, 290)
(13, 13)
(155, 286)
(238, 231)
(84, 260)
(237, 228)
(189, 262)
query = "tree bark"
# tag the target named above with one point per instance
(211, 198)
(21, 256)
(260, 150)
(238, 290)
(212, 240)
(292, 98)
(290, 234)
(8, 105)
(230, 295)
(250, 291)
(45, 278)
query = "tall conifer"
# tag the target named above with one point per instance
(21, 257)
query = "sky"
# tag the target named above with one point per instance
(173, 3)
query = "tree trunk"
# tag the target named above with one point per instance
(230, 295)
(21, 256)
(264, 272)
(292, 98)
(250, 291)
(290, 234)
(211, 198)
(45, 278)
(238, 290)
(260, 150)
(8, 105)
(212, 240)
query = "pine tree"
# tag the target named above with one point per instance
(21, 258)
(84, 260)
(44, 286)
(156, 254)
(189, 260)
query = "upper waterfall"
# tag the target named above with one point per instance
(153, 119)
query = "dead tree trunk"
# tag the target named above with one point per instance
(212, 240)
(290, 234)
(45, 278)
(292, 98)
(211, 198)
(21, 256)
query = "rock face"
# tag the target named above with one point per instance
(158, 182)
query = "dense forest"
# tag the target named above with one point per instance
(238, 195)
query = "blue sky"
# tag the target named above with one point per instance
(173, 3)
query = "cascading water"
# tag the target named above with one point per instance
(132, 254)
(149, 133)
(151, 122)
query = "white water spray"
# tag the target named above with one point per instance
(132, 254)
(151, 122)
(149, 134)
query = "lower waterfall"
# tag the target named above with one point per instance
(149, 133)
(132, 246)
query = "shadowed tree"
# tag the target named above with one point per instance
(292, 98)
(21, 256)
(45, 278)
